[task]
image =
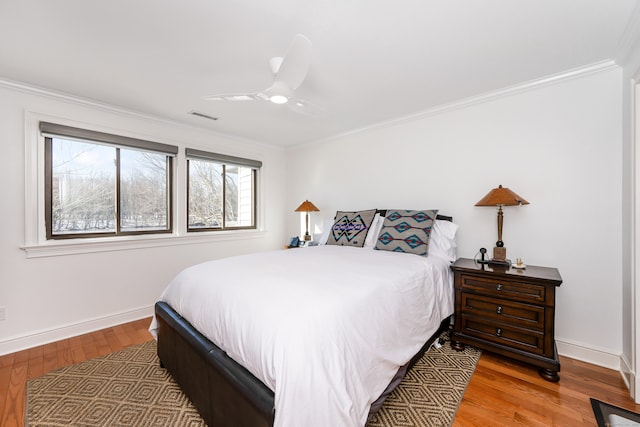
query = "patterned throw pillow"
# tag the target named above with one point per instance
(406, 231)
(351, 228)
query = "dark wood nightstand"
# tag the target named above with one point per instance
(507, 311)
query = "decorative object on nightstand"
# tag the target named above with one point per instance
(519, 264)
(507, 311)
(501, 197)
(307, 207)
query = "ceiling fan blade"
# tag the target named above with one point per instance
(290, 71)
(295, 63)
(306, 108)
(234, 97)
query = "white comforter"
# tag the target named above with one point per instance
(326, 328)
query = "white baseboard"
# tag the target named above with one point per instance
(599, 357)
(627, 375)
(11, 345)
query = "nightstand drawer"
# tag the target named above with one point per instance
(504, 311)
(509, 289)
(510, 336)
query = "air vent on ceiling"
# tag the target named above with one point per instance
(203, 115)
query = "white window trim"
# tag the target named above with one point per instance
(106, 244)
(36, 245)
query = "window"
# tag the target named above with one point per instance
(98, 184)
(221, 191)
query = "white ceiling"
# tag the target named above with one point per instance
(372, 60)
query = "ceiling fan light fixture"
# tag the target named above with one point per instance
(278, 99)
(279, 92)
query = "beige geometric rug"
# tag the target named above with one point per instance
(128, 388)
(429, 395)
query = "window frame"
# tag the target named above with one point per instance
(51, 130)
(225, 161)
(35, 244)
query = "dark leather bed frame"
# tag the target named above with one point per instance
(223, 392)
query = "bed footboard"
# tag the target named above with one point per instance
(224, 392)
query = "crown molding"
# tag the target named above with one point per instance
(444, 108)
(86, 102)
(575, 73)
(60, 96)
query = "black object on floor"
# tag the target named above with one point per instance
(612, 416)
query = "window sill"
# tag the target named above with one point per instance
(106, 244)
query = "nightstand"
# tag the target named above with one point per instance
(507, 311)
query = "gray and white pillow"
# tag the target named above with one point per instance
(406, 231)
(351, 228)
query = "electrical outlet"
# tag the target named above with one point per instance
(3, 313)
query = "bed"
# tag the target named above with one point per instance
(315, 336)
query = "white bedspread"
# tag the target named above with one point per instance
(326, 328)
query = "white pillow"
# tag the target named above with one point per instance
(327, 223)
(374, 231)
(443, 239)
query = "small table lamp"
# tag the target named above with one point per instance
(307, 207)
(501, 197)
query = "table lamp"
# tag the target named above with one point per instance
(307, 207)
(501, 197)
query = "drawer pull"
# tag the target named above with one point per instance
(499, 332)
(499, 309)
(498, 287)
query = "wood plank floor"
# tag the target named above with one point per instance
(502, 392)
(17, 368)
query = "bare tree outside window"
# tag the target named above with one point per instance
(83, 187)
(100, 189)
(143, 190)
(100, 184)
(221, 196)
(205, 194)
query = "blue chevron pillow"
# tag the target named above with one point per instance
(406, 231)
(351, 228)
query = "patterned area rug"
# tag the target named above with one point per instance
(128, 388)
(429, 395)
(125, 388)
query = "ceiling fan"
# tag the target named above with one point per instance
(289, 71)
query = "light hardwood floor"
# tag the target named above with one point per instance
(17, 368)
(502, 392)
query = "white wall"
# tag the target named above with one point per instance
(558, 146)
(52, 297)
(631, 208)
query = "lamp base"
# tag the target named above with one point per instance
(500, 253)
(498, 263)
(307, 237)
(500, 257)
